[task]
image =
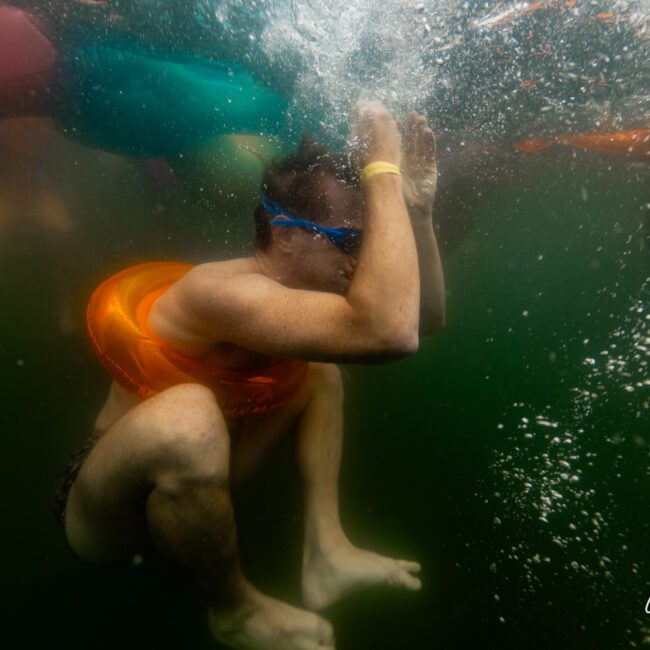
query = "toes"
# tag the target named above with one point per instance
(406, 580)
(412, 583)
(402, 576)
(318, 635)
(408, 565)
(325, 635)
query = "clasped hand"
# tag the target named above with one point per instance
(419, 169)
(376, 135)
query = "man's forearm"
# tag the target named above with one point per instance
(385, 283)
(432, 282)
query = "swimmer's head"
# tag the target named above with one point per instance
(318, 194)
(303, 184)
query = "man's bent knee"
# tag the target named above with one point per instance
(174, 438)
(189, 436)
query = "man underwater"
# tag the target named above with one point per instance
(214, 365)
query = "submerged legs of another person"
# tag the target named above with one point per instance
(159, 477)
(332, 566)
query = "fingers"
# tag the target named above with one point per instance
(363, 113)
(411, 135)
(374, 134)
(430, 144)
(420, 141)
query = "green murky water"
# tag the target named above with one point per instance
(436, 457)
(510, 455)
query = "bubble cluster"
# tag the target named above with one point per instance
(481, 70)
(548, 471)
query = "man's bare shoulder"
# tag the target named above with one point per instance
(227, 268)
(227, 282)
(180, 315)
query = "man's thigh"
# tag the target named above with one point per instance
(106, 510)
(105, 517)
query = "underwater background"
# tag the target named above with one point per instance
(510, 455)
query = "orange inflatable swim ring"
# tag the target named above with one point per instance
(144, 365)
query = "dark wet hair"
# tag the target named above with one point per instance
(296, 183)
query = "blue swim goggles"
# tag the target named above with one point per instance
(346, 239)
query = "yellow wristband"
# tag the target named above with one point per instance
(379, 167)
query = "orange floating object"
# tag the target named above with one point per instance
(144, 365)
(533, 146)
(506, 14)
(623, 143)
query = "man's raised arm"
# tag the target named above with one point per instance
(375, 320)
(385, 289)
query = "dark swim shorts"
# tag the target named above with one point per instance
(70, 475)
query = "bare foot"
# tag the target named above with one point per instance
(264, 623)
(326, 577)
